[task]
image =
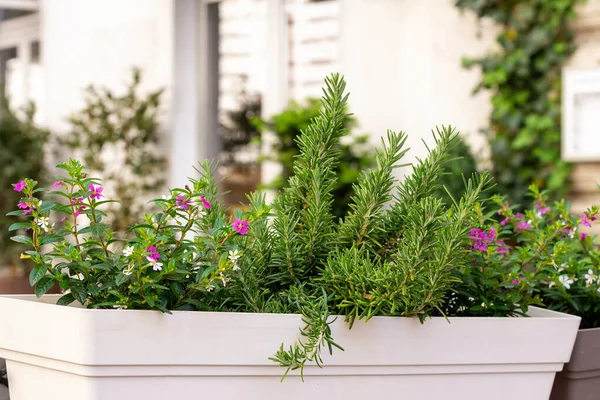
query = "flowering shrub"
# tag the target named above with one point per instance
(540, 256)
(175, 258)
(412, 258)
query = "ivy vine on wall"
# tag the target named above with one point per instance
(524, 77)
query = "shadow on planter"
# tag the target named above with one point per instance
(580, 378)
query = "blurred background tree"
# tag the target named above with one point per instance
(119, 137)
(21, 155)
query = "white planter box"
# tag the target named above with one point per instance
(65, 353)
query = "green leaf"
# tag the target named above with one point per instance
(52, 238)
(19, 225)
(37, 273)
(98, 229)
(79, 292)
(45, 284)
(22, 239)
(93, 289)
(65, 300)
(121, 278)
(15, 213)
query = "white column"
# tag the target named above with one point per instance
(24, 57)
(275, 98)
(195, 88)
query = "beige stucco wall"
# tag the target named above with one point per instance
(586, 175)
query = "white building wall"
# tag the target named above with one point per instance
(99, 41)
(402, 60)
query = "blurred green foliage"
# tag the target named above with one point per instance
(21, 156)
(355, 154)
(524, 77)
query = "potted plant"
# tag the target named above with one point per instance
(548, 253)
(193, 303)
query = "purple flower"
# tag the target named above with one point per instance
(241, 226)
(182, 202)
(26, 209)
(519, 215)
(515, 281)
(585, 220)
(481, 239)
(543, 210)
(152, 253)
(20, 186)
(205, 202)
(78, 210)
(583, 236)
(522, 225)
(502, 247)
(57, 184)
(504, 221)
(96, 192)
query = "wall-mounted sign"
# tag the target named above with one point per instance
(581, 115)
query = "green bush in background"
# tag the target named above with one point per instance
(21, 155)
(523, 75)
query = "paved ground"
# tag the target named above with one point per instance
(3, 389)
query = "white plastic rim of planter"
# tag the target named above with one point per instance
(63, 353)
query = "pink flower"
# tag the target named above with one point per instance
(78, 210)
(519, 215)
(96, 192)
(522, 225)
(26, 209)
(241, 226)
(584, 220)
(57, 184)
(543, 210)
(20, 186)
(182, 202)
(152, 253)
(502, 247)
(481, 239)
(583, 236)
(504, 221)
(205, 202)
(515, 281)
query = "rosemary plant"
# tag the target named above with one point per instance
(398, 251)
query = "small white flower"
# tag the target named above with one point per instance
(471, 299)
(236, 267)
(43, 223)
(210, 288)
(128, 251)
(234, 255)
(187, 276)
(590, 277)
(201, 214)
(129, 270)
(40, 203)
(157, 266)
(551, 284)
(224, 279)
(565, 281)
(483, 305)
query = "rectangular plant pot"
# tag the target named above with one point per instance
(580, 379)
(56, 352)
